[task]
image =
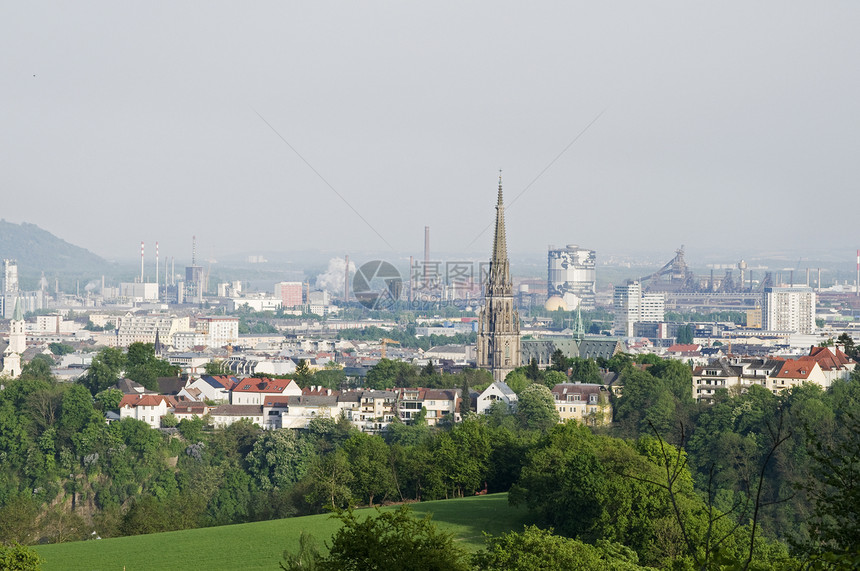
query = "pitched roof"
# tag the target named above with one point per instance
(442, 394)
(263, 385)
(318, 391)
(192, 392)
(220, 381)
(503, 388)
(237, 410)
(272, 400)
(145, 400)
(129, 387)
(190, 407)
(724, 369)
(796, 369)
(561, 390)
(593, 348)
(170, 385)
(328, 401)
(684, 348)
(828, 360)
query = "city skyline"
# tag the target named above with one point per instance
(168, 123)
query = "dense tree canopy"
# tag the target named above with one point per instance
(675, 482)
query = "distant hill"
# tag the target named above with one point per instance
(38, 251)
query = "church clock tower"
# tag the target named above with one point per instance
(499, 323)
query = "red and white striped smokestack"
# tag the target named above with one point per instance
(858, 273)
(141, 261)
(156, 266)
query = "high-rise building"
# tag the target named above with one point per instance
(290, 294)
(633, 306)
(9, 295)
(571, 276)
(499, 323)
(652, 308)
(790, 309)
(194, 283)
(626, 302)
(10, 276)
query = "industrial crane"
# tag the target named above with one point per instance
(385, 341)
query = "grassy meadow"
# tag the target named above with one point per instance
(260, 545)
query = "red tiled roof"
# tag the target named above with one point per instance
(827, 359)
(318, 392)
(190, 407)
(795, 369)
(264, 385)
(684, 348)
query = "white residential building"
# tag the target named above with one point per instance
(652, 308)
(212, 388)
(497, 391)
(626, 302)
(211, 332)
(633, 306)
(143, 328)
(221, 331)
(226, 414)
(147, 408)
(252, 390)
(790, 309)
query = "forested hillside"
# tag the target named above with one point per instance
(37, 250)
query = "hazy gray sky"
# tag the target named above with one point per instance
(725, 123)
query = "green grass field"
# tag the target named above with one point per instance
(260, 545)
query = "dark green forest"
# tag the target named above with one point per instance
(755, 480)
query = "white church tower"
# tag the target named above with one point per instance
(17, 344)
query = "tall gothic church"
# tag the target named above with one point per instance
(499, 323)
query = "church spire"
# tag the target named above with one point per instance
(18, 315)
(500, 275)
(498, 346)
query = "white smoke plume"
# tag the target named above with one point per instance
(332, 279)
